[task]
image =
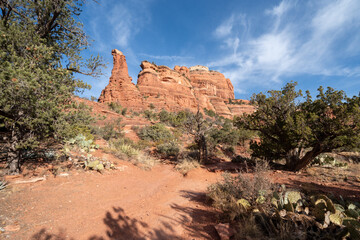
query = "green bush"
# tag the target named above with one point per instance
(109, 130)
(116, 107)
(156, 133)
(164, 116)
(168, 149)
(150, 115)
(210, 113)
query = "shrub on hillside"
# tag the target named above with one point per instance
(168, 149)
(150, 115)
(156, 133)
(116, 107)
(109, 130)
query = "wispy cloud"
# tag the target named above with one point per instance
(166, 58)
(314, 41)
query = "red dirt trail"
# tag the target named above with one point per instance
(128, 204)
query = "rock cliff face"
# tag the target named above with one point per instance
(120, 88)
(172, 89)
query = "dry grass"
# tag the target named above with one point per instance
(186, 165)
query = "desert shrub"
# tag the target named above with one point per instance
(185, 165)
(73, 122)
(150, 115)
(156, 133)
(209, 112)
(225, 193)
(144, 161)
(178, 119)
(116, 107)
(168, 149)
(109, 130)
(164, 116)
(135, 114)
(123, 147)
(123, 111)
(94, 99)
(151, 106)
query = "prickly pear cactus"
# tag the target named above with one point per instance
(339, 208)
(244, 203)
(329, 204)
(274, 202)
(319, 213)
(289, 207)
(336, 218)
(320, 204)
(260, 200)
(293, 196)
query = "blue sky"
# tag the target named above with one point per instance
(259, 45)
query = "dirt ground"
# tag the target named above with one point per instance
(129, 203)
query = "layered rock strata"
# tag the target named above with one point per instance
(171, 89)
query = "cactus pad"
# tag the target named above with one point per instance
(244, 203)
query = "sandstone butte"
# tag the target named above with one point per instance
(172, 89)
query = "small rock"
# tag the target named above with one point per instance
(12, 228)
(64, 174)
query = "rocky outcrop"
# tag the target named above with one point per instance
(121, 89)
(172, 89)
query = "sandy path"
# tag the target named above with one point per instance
(129, 204)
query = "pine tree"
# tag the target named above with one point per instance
(298, 131)
(40, 46)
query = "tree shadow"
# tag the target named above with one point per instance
(120, 226)
(198, 221)
(43, 234)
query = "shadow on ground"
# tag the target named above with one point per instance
(119, 226)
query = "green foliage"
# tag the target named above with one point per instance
(284, 213)
(150, 115)
(116, 107)
(209, 113)
(156, 133)
(110, 130)
(326, 160)
(82, 143)
(151, 106)
(226, 192)
(124, 146)
(300, 131)
(168, 149)
(40, 50)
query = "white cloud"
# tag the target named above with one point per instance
(280, 9)
(166, 58)
(311, 43)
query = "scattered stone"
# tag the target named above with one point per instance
(64, 175)
(32, 180)
(12, 228)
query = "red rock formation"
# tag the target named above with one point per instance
(174, 90)
(120, 88)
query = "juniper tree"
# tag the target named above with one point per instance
(40, 46)
(298, 131)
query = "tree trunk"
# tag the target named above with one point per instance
(13, 158)
(300, 163)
